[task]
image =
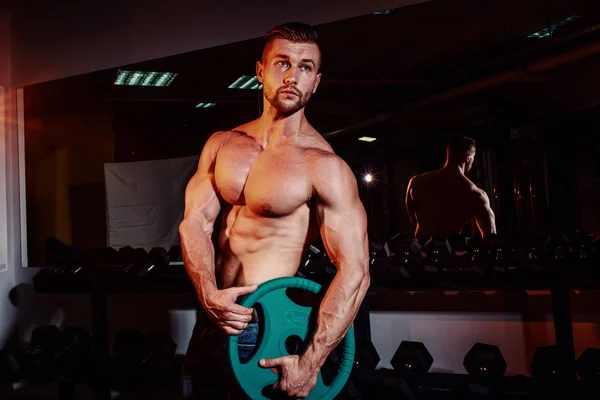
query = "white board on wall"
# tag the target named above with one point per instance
(145, 201)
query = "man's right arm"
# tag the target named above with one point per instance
(409, 202)
(202, 207)
(486, 220)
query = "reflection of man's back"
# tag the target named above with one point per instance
(442, 203)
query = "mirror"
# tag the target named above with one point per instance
(519, 77)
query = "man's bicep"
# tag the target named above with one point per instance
(343, 219)
(202, 204)
(201, 201)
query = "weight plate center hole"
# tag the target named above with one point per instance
(294, 345)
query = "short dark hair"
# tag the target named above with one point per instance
(459, 146)
(297, 32)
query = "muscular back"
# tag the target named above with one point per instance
(268, 218)
(442, 202)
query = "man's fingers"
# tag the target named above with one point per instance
(236, 324)
(272, 362)
(231, 331)
(242, 290)
(231, 316)
(237, 309)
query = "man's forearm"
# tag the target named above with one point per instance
(487, 223)
(197, 252)
(336, 313)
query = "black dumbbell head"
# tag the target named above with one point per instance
(366, 356)
(128, 344)
(159, 352)
(588, 365)
(485, 361)
(411, 359)
(545, 363)
(46, 338)
(77, 338)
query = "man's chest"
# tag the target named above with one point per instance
(270, 182)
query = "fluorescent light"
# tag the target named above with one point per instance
(205, 105)
(547, 32)
(367, 139)
(140, 78)
(246, 82)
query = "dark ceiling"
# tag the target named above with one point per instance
(443, 64)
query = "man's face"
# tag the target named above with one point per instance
(288, 72)
(470, 160)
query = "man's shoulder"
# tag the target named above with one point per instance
(423, 177)
(326, 166)
(322, 157)
(227, 134)
(218, 138)
(479, 194)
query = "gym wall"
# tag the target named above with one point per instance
(7, 277)
(54, 40)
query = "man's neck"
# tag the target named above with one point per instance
(274, 127)
(454, 168)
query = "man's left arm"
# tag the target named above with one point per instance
(343, 225)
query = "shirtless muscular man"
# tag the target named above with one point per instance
(277, 184)
(441, 202)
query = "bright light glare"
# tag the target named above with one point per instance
(368, 178)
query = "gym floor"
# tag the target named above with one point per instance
(83, 392)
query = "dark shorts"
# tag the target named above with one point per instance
(206, 373)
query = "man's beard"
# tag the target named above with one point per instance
(288, 106)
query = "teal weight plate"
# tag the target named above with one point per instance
(281, 319)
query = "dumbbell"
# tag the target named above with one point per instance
(102, 256)
(140, 263)
(579, 247)
(537, 257)
(15, 362)
(159, 351)
(77, 359)
(480, 257)
(132, 259)
(588, 367)
(175, 254)
(485, 366)
(407, 255)
(316, 265)
(313, 262)
(546, 370)
(47, 351)
(557, 247)
(459, 255)
(157, 260)
(380, 260)
(437, 257)
(411, 362)
(137, 354)
(66, 353)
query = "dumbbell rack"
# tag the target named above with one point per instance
(100, 282)
(559, 283)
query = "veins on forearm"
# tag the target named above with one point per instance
(337, 312)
